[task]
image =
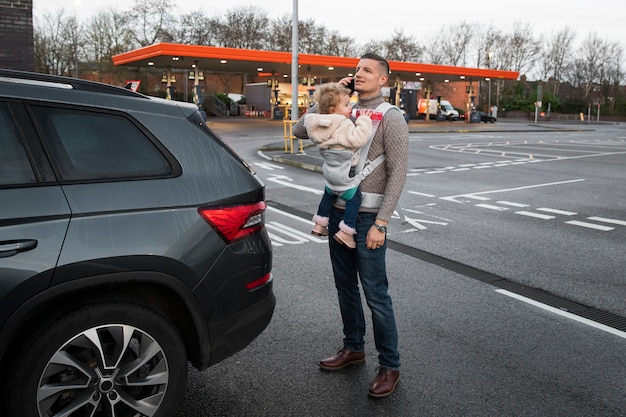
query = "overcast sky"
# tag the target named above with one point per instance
(363, 22)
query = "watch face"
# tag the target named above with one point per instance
(381, 228)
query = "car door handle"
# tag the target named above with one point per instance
(12, 247)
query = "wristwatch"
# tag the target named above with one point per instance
(381, 228)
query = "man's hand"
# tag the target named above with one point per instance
(375, 238)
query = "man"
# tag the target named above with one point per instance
(381, 190)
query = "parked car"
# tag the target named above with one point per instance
(486, 118)
(132, 241)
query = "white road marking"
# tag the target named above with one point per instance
(510, 203)
(267, 166)
(291, 216)
(535, 215)
(564, 313)
(490, 207)
(555, 211)
(605, 220)
(473, 195)
(477, 197)
(590, 225)
(298, 236)
(262, 155)
(422, 194)
(286, 181)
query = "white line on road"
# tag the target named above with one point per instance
(293, 216)
(300, 237)
(422, 194)
(535, 215)
(564, 313)
(267, 166)
(605, 220)
(490, 207)
(472, 195)
(286, 181)
(555, 211)
(477, 197)
(510, 203)
(590, 225)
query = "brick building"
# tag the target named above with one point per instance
(17, 50)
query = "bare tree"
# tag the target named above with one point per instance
(433, 52)
(521, 49)
(613, 75)
(455, 43)
(107, 34)
(597, 67)
(150, 19)
(279, 34)
(401, 47)
(311, 37)
(244, 27)
(486, 43)
(57, 44)
(375, 46)
(194, 29)
(587, 68)
(555, 61)
(337, 45)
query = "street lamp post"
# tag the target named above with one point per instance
(489, 96)
(294, 62)
(489, 57)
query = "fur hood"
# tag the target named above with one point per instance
(334, 131)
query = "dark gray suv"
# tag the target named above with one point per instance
(132, 241)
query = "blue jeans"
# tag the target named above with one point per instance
(352, 206)
(368, 266)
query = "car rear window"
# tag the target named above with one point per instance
(88, 145)
(15, 167)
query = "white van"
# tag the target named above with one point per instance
(433, 107)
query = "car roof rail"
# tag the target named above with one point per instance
(68, 82)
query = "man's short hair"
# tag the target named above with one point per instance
(376, 57)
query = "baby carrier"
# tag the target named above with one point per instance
(338, 163)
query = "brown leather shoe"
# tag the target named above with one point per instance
(385, 383)
(342, 359)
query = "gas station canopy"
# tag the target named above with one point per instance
(278, 64)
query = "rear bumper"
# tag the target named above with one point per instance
(234, 333)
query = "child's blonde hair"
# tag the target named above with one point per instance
(328, 95)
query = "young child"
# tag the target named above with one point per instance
(339, 140)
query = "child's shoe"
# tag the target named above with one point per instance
(345, 235)
(345, 239)
(319, 230)
(321, 225)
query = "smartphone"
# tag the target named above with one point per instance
(350, 85)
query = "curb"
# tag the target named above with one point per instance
(297, 164)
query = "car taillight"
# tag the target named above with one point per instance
(235, 222)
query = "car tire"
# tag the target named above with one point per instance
(103, 359)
